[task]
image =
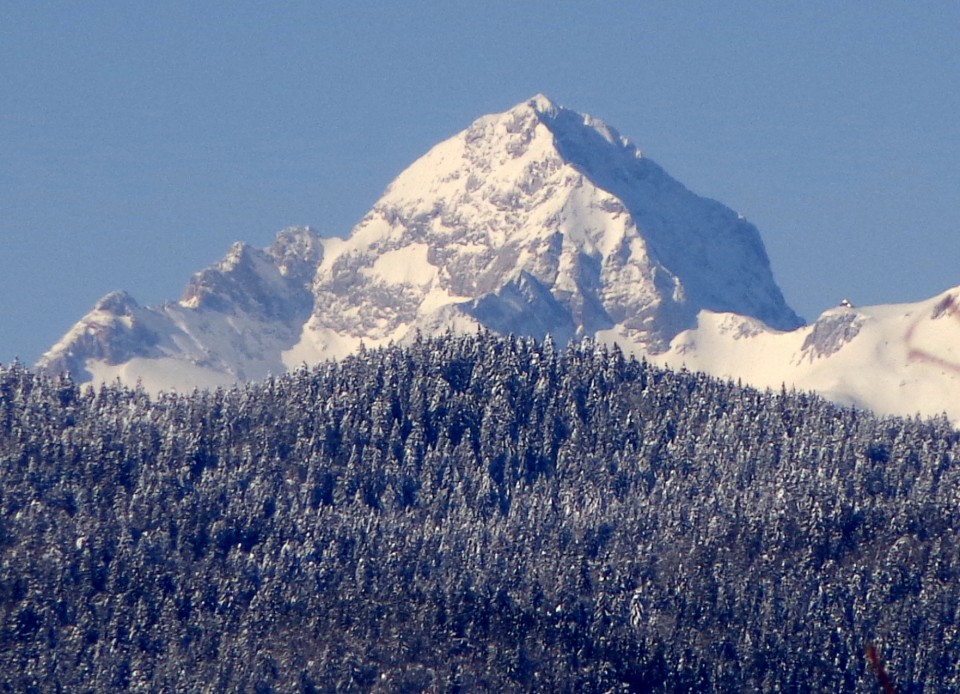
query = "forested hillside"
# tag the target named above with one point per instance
(467, 514)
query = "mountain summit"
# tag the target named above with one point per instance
(535, 221)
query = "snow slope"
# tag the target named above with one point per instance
(898, 359)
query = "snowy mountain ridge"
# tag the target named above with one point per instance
(538, 220)
(896, 359)
(231, 324)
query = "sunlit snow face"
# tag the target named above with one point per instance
(936, 346)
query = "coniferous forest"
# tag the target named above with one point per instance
(472, 514)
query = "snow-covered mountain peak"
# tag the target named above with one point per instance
(559, 197)
(566, 123)
(118, 302)
(540, 103)
(271, 282)
(536, 221)
(297, 251)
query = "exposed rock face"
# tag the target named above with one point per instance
(271, 284)
(831, 332)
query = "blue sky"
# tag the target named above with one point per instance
(139, 140)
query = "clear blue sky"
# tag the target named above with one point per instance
(139, 140)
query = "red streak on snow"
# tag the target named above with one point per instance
(948, 307)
